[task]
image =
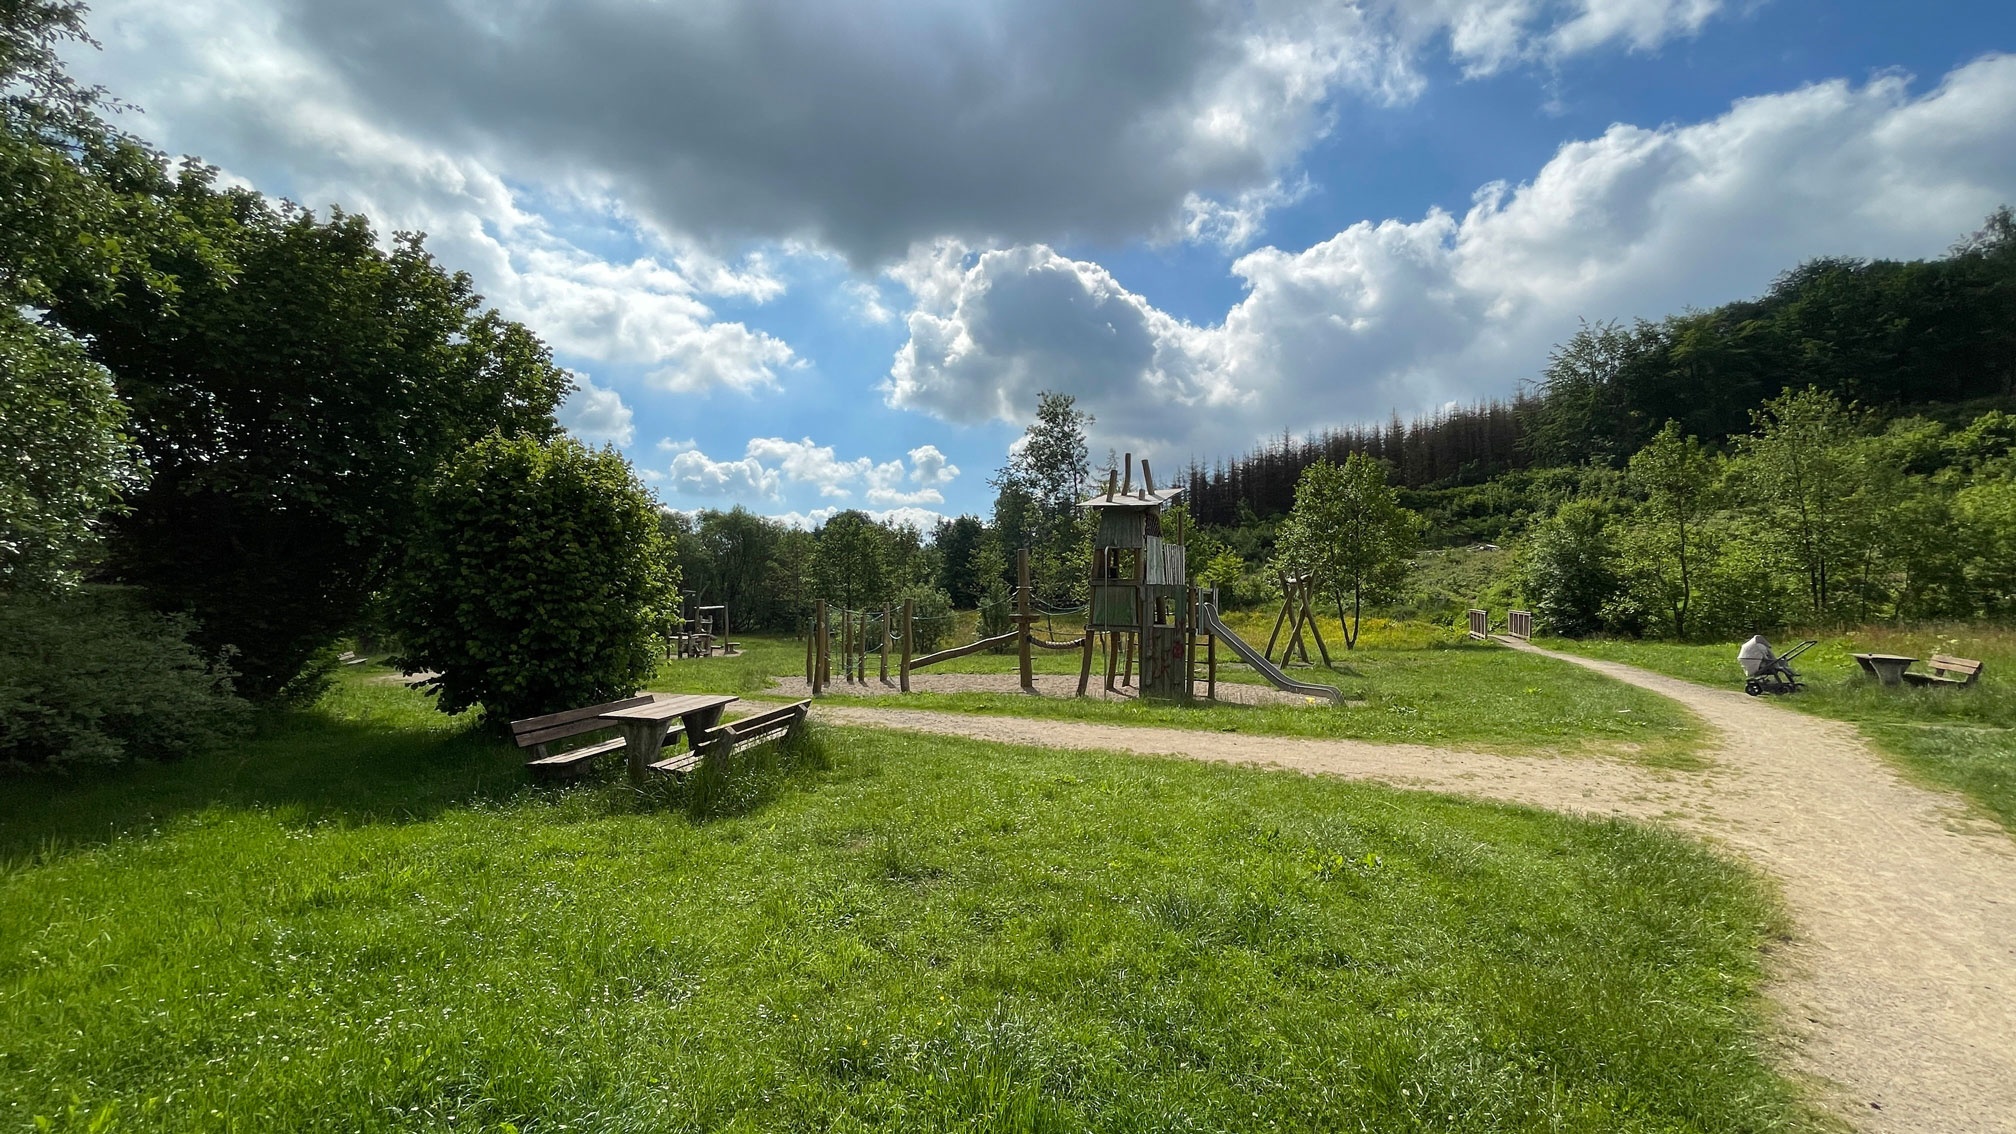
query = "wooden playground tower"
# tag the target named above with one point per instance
(1141, 597)
(1140, 600)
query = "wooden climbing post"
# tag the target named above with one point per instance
(819, 674)
(883, 641)
(903, 673)
(1085, 662)
(1023, 618)
(1211, 654)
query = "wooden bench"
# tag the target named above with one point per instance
(723, 741)
(539, 733)
(1942, 665)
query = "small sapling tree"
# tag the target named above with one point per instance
(1348, 530)
(536, 580)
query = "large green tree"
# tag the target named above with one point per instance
(537, 579)
(301, 381)
(1802, 471)
(852, 563)
(1677, 478)
(1038, 494)
(1349, 531)
(956, 540)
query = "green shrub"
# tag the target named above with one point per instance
(537, 580)
(1569, 572)
(92, 677)
(67, 459)
(931, 617)
(996, 611)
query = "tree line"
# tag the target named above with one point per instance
(1822, 513)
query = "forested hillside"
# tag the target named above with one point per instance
(1930, 338)
(1838, 449)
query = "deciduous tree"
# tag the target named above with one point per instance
(1349, 531)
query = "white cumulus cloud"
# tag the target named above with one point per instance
(1410, 315)
(770, 463)
(594, 413)
(696, 474)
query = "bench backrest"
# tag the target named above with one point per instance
(574, 722)
(1949, 664)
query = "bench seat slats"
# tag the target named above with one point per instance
(575, 756)
(678, 765)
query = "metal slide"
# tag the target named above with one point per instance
(1207, 617)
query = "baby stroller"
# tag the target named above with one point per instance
(1775, 674)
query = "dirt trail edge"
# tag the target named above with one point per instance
(1899, 987)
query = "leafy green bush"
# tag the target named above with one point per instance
(92, 677)
(67, 458)
(931, 617)
(1569, 571)
(997, 610)
(537, 580)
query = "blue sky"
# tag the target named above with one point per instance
(806, 257)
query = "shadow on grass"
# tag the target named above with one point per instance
(323, 765)
(309, 766)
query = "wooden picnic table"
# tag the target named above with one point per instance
(644, 725)
(1886, 668)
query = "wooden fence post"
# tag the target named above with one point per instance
(1024, 619)
(1211, 653)
(819, 673)
(903, 675)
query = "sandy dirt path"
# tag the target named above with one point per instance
(1899, 988)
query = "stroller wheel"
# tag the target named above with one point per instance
(1753, 687)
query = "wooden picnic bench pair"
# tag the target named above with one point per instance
(540, 734)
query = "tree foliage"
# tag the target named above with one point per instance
(852, 563)
(538, 579)
(1570, 570)
(65, 460)
(1677, 480)
(287, 401)
(1038, 492)
(1350, 533)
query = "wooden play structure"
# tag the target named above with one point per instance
(1143, 615)
(1298, 613)
(702, 630)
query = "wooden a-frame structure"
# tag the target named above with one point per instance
(1298, 609)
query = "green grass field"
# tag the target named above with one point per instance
(364, 919)
(1962, 739)
(1408, 683)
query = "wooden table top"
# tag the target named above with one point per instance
(665, 708)
(1885, 657)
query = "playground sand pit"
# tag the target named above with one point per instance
(1047, 685)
